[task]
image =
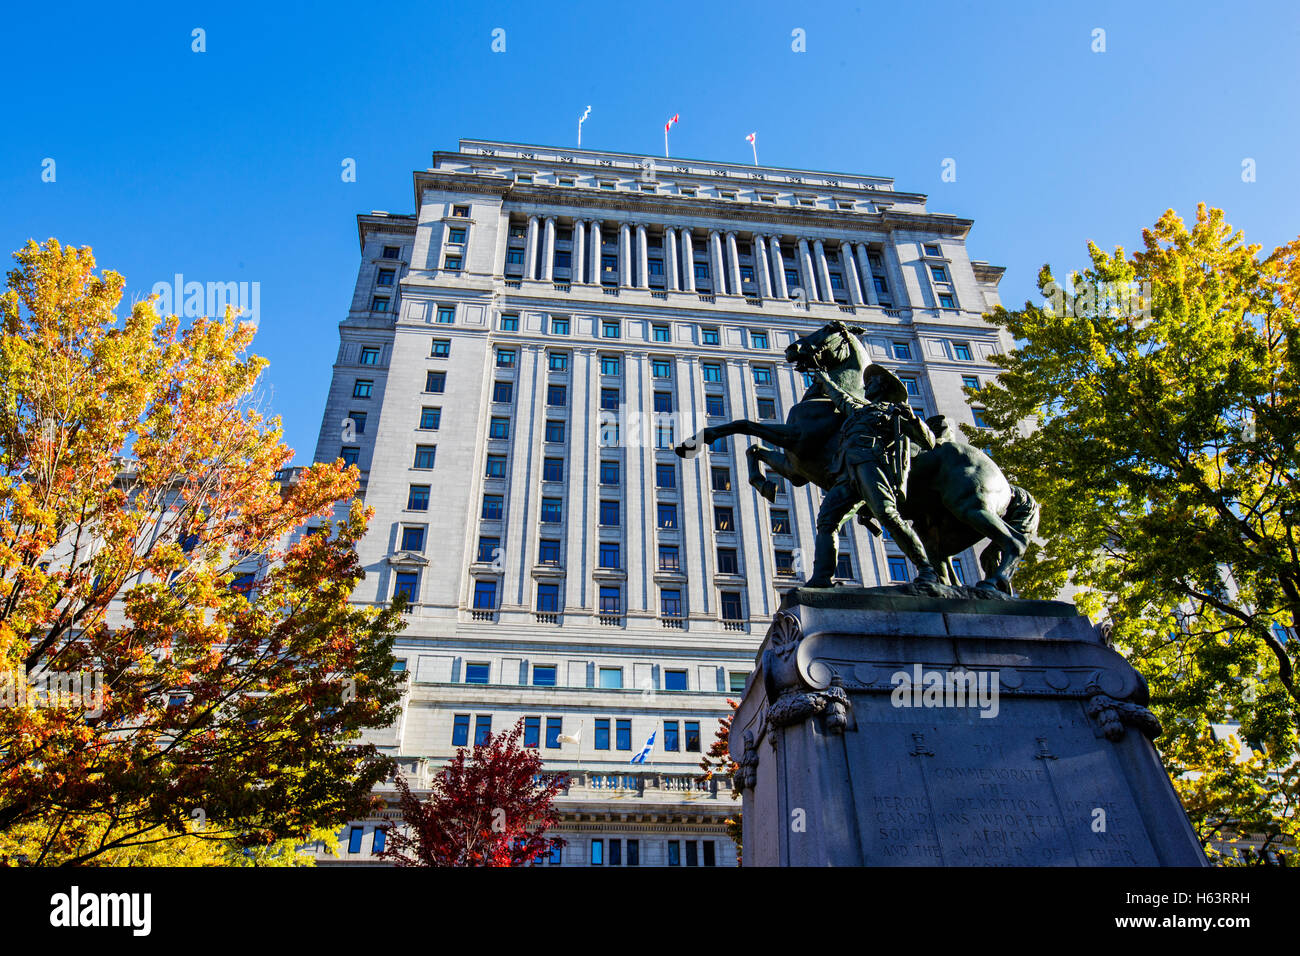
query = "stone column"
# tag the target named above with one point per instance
(778, 269)
(715, 262)
(579, 250)
(850, 273)
(823, 272)
(737, 285)
(868, 280)
(642, 257)
(688, 261)
(670, 258)
(624, 255)
(530, 249)
(762, 267)
(595, 252)
(548, 251)
(806, 271)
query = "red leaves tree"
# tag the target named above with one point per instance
(718, 759)
(491, 809)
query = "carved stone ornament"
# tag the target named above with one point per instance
(1111, 714)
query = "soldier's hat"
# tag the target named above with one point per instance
(891, 386)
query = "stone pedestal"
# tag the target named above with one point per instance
(888, 729)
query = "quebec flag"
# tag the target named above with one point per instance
(645, 751)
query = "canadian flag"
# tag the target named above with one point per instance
(751, 138)
(672, 122)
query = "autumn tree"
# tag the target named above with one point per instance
(1163, 394)
(488, 807)
(718, 760)
(148, 541)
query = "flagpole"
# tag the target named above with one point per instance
(755, 145)
(665, 140)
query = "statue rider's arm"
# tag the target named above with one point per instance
(842, 399)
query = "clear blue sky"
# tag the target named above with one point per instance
(224, 165)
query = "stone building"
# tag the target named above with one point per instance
(518, 358)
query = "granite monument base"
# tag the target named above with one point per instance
(883, 728)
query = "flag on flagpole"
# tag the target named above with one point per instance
(667, 126)
(753, 141)
(582, 119)
(645, 751)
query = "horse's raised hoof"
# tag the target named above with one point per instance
(768, 490)
(692, 446)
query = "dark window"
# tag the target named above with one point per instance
(967, 381)
(946, 301)
(609, 330)
(674, 680)
(663, 401)
(902, 351)
(509, 323)
(727, 561)
(363, 388)
(711, 372)
(961, 351)
(784, 563)
(441, 348)
(671, 741)
(456, 236)
(554, 727)
(762, 375)
(714, 405)
(766, 408)
(692, 736)
(392, 252)
(358, 422)
(692, 853)
(978, 415)
(430, 418)
(552, 510)
(667, 515)
(661, 333)
(758, 340)
(609, 399)
(668, 558)
(548, 602)
(476, 673)
(413, 538)
(553, 469)
(558, 361)
(710, 854)
(505, 358)
(709, 336)
(723, 520)
(370, 356)
(482, 729)
(674, 853)
(610, 365)
(503, 392)
(598, 849)
(898, 570)
(844, 565)
(548, 551)
(460, 730)
(555, 431)
(379, 303)
(609, 472)
(446, 314)
(661, 368)
(611, 601)
(496, 466)
(633, 852)
(559, 325)
(602, 733)
(485, 595)
(417, 499)
(938, 273)
(609, 555)
(609, 513)
(488, 547)
(544, 674)
(780, 522)
(731, 606)
(623, 735)
(492, 506)
(424, 455)
(532, 732)
(670, 602)
(354, 839)
(499, 428)
(350, 454)
(408, 585)
(437, 382)
(665, 475)
(721, 479)
(909, 383)
(556, 395)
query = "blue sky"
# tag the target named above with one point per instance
(224, 165)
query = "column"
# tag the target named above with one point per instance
(670, 258)
(530, 249)
(715, 261)
(864, 264)
(823, 272)
(642, 257)
(624, 255)
(806, 271)
(688, 261)
(762, 267)
(737, 286)
(850, 273)
(596, 278)
(548, 251)
(579, 249)
(778, 269)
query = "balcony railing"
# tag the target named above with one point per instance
(672, 622)
(610, 620)
(479, 614)
(546, 617)
(733, 625)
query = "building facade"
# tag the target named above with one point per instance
(520, 355)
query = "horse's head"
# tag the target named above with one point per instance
(829, 348)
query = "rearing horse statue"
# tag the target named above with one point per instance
(955, 494)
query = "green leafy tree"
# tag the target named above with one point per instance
(1163, 391)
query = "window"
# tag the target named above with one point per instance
(609, 513)
(701, 272)
(532, 732)
(598, 846)
(441, 348)
(556, 395)
(970, 381)
(485, 595)
(602, 733)
(633, 852)
(544, 674)
(447, 314)
(611, 601)
(931, 250)
(460, 730)
(493, 506)
(350, 454)
(477, 673)
(370, 356)
(407, 586)
(460, 212)
(548, 551)
(609, 555)
(609, 398)
(363, 388)
(392, 252)
(727, 563)
(791, 280)
(736, 682)
(674, 853)
(723, 520)
(674, 680)
(554, 727)
(452, 264)
(514, 257)
(385, 277)
(505, 358)
(482, 729)
(663, 401)
(844, 565)
(961, 351)
(430, 418)
(611, 677)
(714, 406)
(946, 301)
(710, 853)
(746, 274)
(417, 498)
(938, 273)
(668, 558)
(711, 371)
(551, 511)
(978, 415)
(881, 286)
(665, 475)
(553, 469)
(667, 515)
(559, 325)
(910, 384)
(358, 422)
(496, 466)
(379, 303)
(622, 737)
(902, 351)
(766, 408)
(661, 368)
(354, 839)
(488, 548)
(672, 742)
(785, 563)
(762, 375)
(721, 479)
(456, 237)
(780, 522)
(610, 365)
(898, 570)
(758, 340)
(959, 570)
(670, 602)
(437, 382)
(692, 736)
(837, 281)
(558, 361)
(424, 455)
(709, 336)
(609, 330)
(499, 428)
(555, 431)
(413, 538)
(503, 392)
(609, 472)
(661, 333)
